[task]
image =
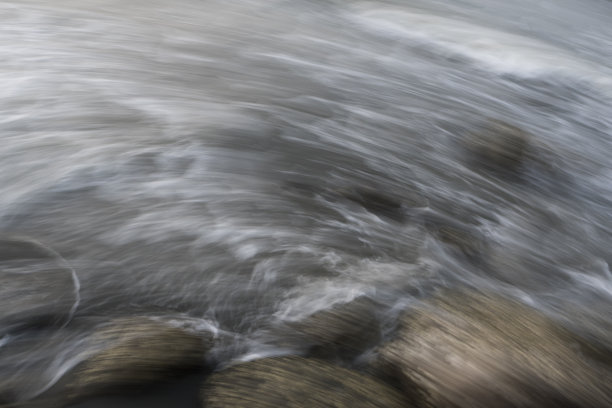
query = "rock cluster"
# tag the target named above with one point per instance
(467, 349)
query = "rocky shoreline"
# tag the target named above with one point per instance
(457, 349)
(460, 348)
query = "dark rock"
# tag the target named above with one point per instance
(294, 382)
(21, 248)
(37, 287)
(345, 330)
(383, 204)
(374, 201)
(498, 146)
(482, 350)
(465, 239)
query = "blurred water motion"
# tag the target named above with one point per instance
(243, 165)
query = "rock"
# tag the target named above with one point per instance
(122, 358)
(36, 286)
(465, 239)
(294, 382)
(30, 360)
(375, 202)
(381, 203)
(133, 352)
(393, 202)
(482, 350)
(498, 146)
(346, 330)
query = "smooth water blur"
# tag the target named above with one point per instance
(191, 156)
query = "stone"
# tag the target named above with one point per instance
(375, 202)
(345, 330)
(121, 358)
(30, 360)
(482, 350)
(37, 287)
(134, 351)
(464, 239)
(498, 146)
(393, 206)
(296, 382)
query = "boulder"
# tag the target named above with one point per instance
(498, 146)
(30, 360)
(135, 351)
(294, 382)
(482, 350)
(345, 330)
(122, 357)
(37, 287)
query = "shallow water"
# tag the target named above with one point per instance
(191, 157)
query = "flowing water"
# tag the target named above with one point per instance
(192, 157)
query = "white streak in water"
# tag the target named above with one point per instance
(5, 340)
(497, 50)
(75, 279)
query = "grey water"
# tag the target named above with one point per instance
(188, 157)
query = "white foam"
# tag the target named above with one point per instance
(496, 50)
(191, 324)
(315, 296)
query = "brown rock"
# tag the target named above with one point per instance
(482, 350)
(124, 356)
(294, 382)
(135, 351)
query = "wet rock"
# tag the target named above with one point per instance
(375, 201)
(498, 146)
(394, 206)
(297, 382)
(464, 239)
(31, 358)
(346, 330)
(481, 350)
(124, 358)
(15, 249)
(134, 352)
(37, 288)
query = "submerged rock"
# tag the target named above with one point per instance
(477, 350)
(393, 205)
(464, 239)
(498, 146)
(375, 202)
(37, 288)
(30, 360)
(294, 382)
